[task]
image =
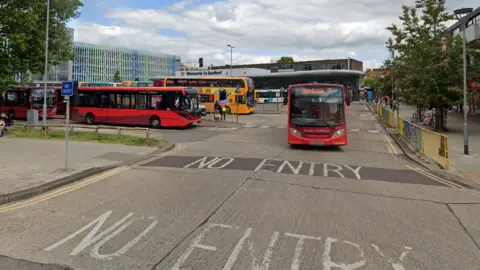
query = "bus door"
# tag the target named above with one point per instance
(103, 112)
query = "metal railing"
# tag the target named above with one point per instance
(427, 143)
(93, 128)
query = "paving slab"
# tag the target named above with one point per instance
(26, 163)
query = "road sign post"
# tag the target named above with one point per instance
(277, 95)
(237, 91)
(67, 91)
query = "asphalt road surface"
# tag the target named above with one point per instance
(242, 199)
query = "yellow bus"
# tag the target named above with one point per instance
(137, 84)
(209, 88)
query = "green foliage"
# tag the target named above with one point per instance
(285, 60)
(116, 77)
(371, 82)
(22, 36)
(424, 55)
(137, 79)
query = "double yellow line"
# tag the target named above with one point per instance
(86, 182)
(393, 151)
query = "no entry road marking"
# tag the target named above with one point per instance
(293, 167)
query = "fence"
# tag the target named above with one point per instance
(273, 108)
(95, 128)
(425, 142)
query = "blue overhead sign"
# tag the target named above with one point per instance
(67, 89)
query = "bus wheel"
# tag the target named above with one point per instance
(155, 122)
(11, 115)
(90, 119)
(227, 110)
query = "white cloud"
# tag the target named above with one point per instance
(261, 30)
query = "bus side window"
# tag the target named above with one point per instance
(104, 101)
(111, 101)
(118, 102)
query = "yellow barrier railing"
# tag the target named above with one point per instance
(430, 144)
(390, 119)
(400, 126)
(435, 146)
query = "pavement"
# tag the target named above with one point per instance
(465, 166)
(243, 199)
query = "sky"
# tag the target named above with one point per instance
(260, 30)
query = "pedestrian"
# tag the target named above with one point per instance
(3, 124)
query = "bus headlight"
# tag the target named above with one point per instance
(338, 133)
(296, 132)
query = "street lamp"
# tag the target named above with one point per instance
(231, 59)
(46, 68)
(462, 15)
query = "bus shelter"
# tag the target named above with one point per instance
(349, 78)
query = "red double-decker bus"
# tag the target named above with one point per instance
(16, 101)
(316, 114)
(148, 106)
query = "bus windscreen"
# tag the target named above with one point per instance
(317, 106)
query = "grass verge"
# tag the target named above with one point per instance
(84, 137)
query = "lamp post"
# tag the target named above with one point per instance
(461, 15)
(46, 67)
(231, 59)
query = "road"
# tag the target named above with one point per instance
(242, 199)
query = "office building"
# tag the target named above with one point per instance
(95, 63)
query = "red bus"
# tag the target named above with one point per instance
(316, 114)
(17, 100)
(149, 106)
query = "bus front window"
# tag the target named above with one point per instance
(314, 109)
(37, 98)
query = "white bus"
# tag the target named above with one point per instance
(269, 96)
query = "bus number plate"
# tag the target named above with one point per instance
(317, 143)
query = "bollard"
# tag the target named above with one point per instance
(119, 132)
(25, 128)
(96, 129)
(147, 136)
(46, 130)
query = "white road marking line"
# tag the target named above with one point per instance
(354, 129)
(374, 131)
(264, 126)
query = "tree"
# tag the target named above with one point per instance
(116, 77)
(22, 37)
(285, 60)
(371, 82)
(137, 79)
(421, 49)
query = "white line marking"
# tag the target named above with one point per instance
(355, 171)
(236, 251)
(95, 254)
(337, 170)
(268, 253)
(374, 131)
(299, 248)
(354, 129)
(196, 244)
(264, 126)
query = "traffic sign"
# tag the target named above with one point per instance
(67, 89)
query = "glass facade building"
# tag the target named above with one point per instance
(95, 63)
